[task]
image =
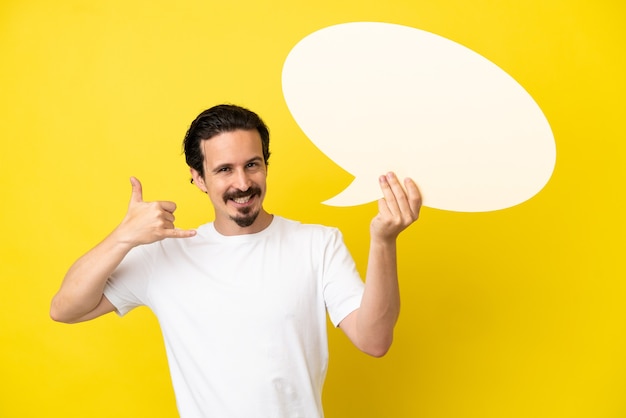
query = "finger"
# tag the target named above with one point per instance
(394, 193)
(403, 201)
(414, 195)
(179, 233)
(383, 208)
(137, 192)
(383, 204)
(408, 197)
(169, 217)
(167, 206)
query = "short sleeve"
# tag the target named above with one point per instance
(343, 286)
(127, 287)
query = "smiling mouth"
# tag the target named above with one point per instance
(242, 200)
(242, 197)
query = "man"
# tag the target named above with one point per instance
(242, 301)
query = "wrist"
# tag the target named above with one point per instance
(382, 243)
(121, 240)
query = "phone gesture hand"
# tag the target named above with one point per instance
(147, 222)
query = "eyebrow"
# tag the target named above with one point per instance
(255, 159)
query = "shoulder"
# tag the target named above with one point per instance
(291, 230)
(293, 226)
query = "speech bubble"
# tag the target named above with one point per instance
(379, 97)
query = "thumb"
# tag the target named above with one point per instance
(137, 193)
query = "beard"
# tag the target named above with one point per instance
(246, 216)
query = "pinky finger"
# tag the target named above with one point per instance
(414, 196)
(182, 233)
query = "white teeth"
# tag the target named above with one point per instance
(242, 199)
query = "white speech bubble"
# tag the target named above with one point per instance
(378, 97)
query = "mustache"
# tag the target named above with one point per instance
(237, 194)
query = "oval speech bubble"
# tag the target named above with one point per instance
(378, 97)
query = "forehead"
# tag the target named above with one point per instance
(234, 147)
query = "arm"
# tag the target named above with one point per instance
(371, 326)
(81, 296)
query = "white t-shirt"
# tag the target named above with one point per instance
(244, 317)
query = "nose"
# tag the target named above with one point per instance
(242, 180)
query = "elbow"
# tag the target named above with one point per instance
(59, 317)
(378, 352)
(378, 349)
(375, 353)
(57, 314)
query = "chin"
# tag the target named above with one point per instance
(245, 220)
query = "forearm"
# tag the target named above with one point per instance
(83, 285)
(81, 294)
(371, 326)
(380, 306)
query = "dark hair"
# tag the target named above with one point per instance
(216, 120)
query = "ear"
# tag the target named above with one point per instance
(198, 180)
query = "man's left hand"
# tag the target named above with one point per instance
(399, 207)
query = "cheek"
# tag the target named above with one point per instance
(215, 198)
(261, 179)
(214, 191)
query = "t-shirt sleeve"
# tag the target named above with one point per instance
(127, 287)
(343, 286)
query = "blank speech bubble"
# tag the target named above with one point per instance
(378, 97)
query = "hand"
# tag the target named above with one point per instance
(398, 208)
(147, 222)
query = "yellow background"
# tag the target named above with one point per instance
(515, 313)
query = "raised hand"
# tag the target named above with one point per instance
(398, 208)
(147, 222)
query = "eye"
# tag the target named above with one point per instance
(223, 169)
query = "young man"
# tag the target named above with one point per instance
(242, 301)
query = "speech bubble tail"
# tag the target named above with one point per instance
(359, 192)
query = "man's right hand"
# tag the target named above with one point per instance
(147, 222)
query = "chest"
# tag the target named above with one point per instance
(268, 283)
